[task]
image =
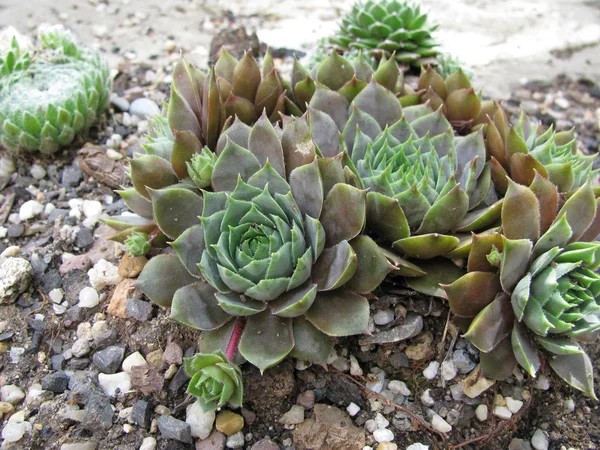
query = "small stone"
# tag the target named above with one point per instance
(6, 407)
(422, 348)
(172, 428)
(355, 368)
(171, 371)
(481, 412)
(135, 359)
(15, 277)
(102, 334)
(88, 298)
(353, 409)
(378, 382)
(89, 445)
(111, 384)
(149, 443)
(542, 383)
(98, 413)
(519, 444)
(121, 104)
(463, 361)
(427, 399)
(215, 441)
(399, 387)
(540, 440)
(131, 266)
(562, 103)
(172, 354)
(154, 358)
(92, 209)
(387, 446)
(475, 384)
(383, 435)
(502, 412)
(569, 404)
(412, 326)
(371, 425)
(138, 309)
(13, 431)
(294, 416)
(417, 446)
(144, 108)
(37, 172)
(118, 302)
(431, 370)
(56, 382)
(30, 209)
(264, 444)
(11, 394)
(56, 295)
(380, 421)
(81, 347)
(513, 405)
(109, 359)
(449, 370)
(58, 362)
(141, 413)
(249, 416)
(306, 399)
(439, 424)
(235, 440)
(113, 154)
(200, 422)
(383, 317)
(103, 274)
(229, 422)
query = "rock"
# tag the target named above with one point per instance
(513, 405)
(399, 387)
(56, 382)
(89, 445)
(475, 384)
(215, 441)
(387, 446)
(431, 370)
(519, 444)
(293, 417)
(306, 399)
(412, 326)
(81, 347)
(540, 440)
(355, 368)
(542, 383)
(417, 446)
(98, 413)
(172, 354)
(264, 444)
(353, 409)
(172, 428)
(103, 335)
(378, 377)
(135, 359)
(141, 413)
(79, 262)
(200, 422)
(229, 422)
(88, 298)
(235, 440)
(502, 412)
(481, 412)
(380, 421)
(148, 379)
(144, 108)
(92, 209)
(249, 416)
(37, 172)
(111, 384)
(449, 370)
(58, 362)
(71, 176)
(109, 359)
(11, 394)
(138, 309)
(13, 431)
(118, 302)
(463, 361)
(85, 238)
(121, 104)
(383, 317)
(422, 348)
(427, 399)
(15, 277)
(30, 209)
(383, 435)
(131, 266)
(149, 443)
(103, 274)
(439, 424)
(328, 428)
(15, 230)
(6, 407)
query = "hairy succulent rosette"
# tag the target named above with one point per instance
(521, 151)
(383, 28)
(533, 290)
(50, 96)
(138, 244)
(287, 256)
(214, 380)
(454, 95)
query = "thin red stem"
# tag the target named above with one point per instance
(234, 339)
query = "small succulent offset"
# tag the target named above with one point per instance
(533, 289)
(276, 247)
(382, 27)
(49, 96)
(138, 244)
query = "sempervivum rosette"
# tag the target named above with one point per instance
(284, 256)
(533, 291)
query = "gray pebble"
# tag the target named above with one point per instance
(172, 428)
(463, 361)
(71, 176)
(58, 362)
(85, 238)
(79, 363)
(120, 103)
(109, 360)
(15, 230)
(143, 108)
(179, 379)
(98, 413)
(56, 382)
(141, 413)
(138, 309)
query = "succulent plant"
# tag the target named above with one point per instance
(138, 244)
(214, 380)
(382, 27)
(521, 151)
(455, 95)
(287, 257)
(51, 95)
(533, 289)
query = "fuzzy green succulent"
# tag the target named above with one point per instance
(51, 95)
(278, 242)
(138, 244)
(382, 27)
(533, 289)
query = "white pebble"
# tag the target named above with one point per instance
(13, 432)
(383, 435)
(417, 446)
(383, 317)
(353, 409)
(431, 370)
(235, 440)
(3, 232)
(103, 274)
(59, 309)
(449, 370)
(513, 405)
(30, 209)
(56, 295)
(539, 440)
(481, 412)
(438, 423)
(149, 443)
(110, 383)
(199, 421)
(381, 421)
(569, 405)
(399, 387)
(542, 383)
(502, 412)
(378, 380)
(370, 425)
(12, 394)
(88, 298)
(84, 331)
(37, 172)
(355, 368)
(81, 347)
(427, 399)
(135, 359)
(113, 154)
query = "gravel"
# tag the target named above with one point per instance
(172, 428)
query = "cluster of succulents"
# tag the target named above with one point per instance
(50, 95)
(285, 215)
